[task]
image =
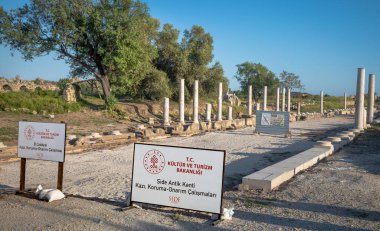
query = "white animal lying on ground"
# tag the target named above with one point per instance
(49, 194)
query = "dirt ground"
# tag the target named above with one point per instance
(340, 193)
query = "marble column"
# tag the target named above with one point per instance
(182, 101)
(229, 113)
(220, 101)
(345, 101)
(371, 98)
(195, 103)
(166, 112)
(278, 99)
(289, 107)
(283, 98)
(321, 102)
(208, 112)
(265, 98)
(359, 101)
(250, 100)
(299, 108)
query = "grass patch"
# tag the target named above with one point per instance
(8, 134)
(39, 100)
(177, 216)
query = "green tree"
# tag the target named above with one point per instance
(155, 86)
(258, 76)
(108, 39)
(290, 80)
(196, 54)
(188, 59)
(168, 51)
(214, 75)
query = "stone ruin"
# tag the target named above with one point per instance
(17, 84)
(232, 98)
(72, 92)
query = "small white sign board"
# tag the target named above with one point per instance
(42, 141)
(178, 177)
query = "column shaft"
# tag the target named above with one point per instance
(182, 101)
(195, 103)
(359, 101)
(371, 98)
(220, 101)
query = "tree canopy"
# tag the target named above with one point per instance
(258, 76)
(290, 80)
(188, 59)
(111, 40)
(115, 41)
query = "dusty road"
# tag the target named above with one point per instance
(341, 193)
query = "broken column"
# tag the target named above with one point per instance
(371, 98)
(257, 106)
(359, 101)
(299, 108)
(182, 101)
(166, 112)
(283, 98)
(321, 102)
(250, 100)
(195, 103)
(220, 101)
(265, 98)
(288, 99)
(208, 112)
(229, 113)
(345, 101)
(278, 99)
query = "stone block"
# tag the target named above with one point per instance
(205, 126)
(2, 145)
(251, 121)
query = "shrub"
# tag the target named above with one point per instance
(40, 100)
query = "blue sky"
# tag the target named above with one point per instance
(322, 41)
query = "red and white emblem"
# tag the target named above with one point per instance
(29, 132)
(154, 161)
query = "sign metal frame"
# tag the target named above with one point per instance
(60, 164)
(273, 128)
(171, 146)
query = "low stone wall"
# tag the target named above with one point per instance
(273, 176)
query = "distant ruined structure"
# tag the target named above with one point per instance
(232, 98)
(17, 84)
(73, 90)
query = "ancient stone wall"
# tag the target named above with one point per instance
(17, 84)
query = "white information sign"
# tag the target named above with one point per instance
(178, 177)
(42, 141)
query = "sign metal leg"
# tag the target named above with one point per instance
(60, 176)
(22, 174)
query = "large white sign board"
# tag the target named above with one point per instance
(178, 177)
(42, 141)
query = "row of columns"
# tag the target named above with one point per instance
(195, 105)
(265, 100)
(363, 116)
(360, 115)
